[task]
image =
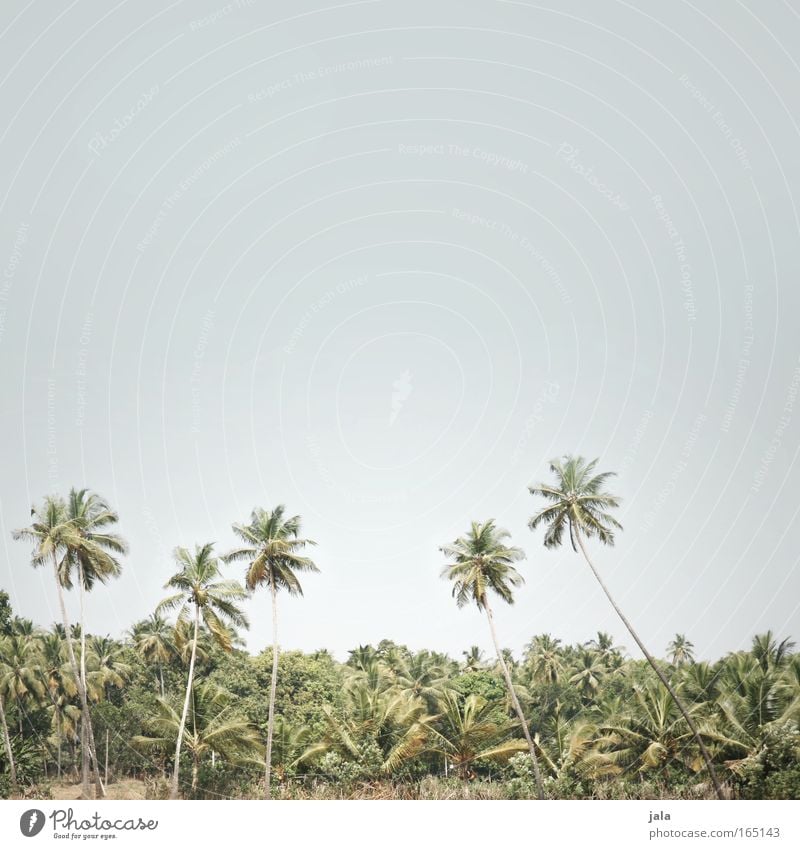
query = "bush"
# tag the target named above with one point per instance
(774, 772)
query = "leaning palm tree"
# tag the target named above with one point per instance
(200, 595)
(579, 505)
(483, 562)
(53, 534)
(271, 546)
(681, 650)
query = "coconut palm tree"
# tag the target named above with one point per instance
(422, 676)
(92, 553)
(53, 534)
(482, 562)
(214, 728)
(60, 687)
(543, 655)
(380, 723)
(109, 662)
(645, 734)
(153, 640)
(603, 646)
(681, 650)
(200, 595)
(769, 653)
(21, 679)
(467, 730)
(6, 653)
(578, 504)
(473, 659)
(288, 744)
(271, 547)
(587, 673)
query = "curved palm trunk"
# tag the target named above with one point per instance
(663, 678)
(92, 753)
(73, 663)
(515, 701)
(182, 727)
(7, 743)
(272, 689)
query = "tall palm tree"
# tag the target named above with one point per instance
(92, 553)
(483, 562)
(200, 595)
(53, 534)
(681, 650)
(578, 504)
(271, 547)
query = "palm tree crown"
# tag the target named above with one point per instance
(199, 584)
(90, 547)
(482, 562)
(577, 502)
(271, 545)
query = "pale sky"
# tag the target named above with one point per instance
(380, 261)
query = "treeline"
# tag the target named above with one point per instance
(179, 705)
(391, 723)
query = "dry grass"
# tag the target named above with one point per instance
(128, 788)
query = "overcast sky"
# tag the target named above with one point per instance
(380, 261)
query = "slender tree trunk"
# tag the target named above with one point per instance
(182, 728)
(272, 690)
(7, 743)
(161, 678)
(85, 761)
(98, 783)
(195, 773)
(58, 734)
(663, 678)
(515, 701)
(85, 792)
(106, 772)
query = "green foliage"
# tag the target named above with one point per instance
(774, 771)
(5, 614)
(390, 722)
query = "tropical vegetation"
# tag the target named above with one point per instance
(177, 707)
